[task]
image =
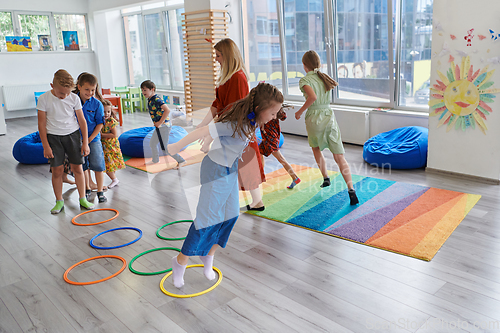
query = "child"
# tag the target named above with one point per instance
(159, 112)
(86, 87)
(110, 144)
(322, 129)
(218, 206)
(270, 140)
(60, 134)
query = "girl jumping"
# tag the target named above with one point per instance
(322, 129)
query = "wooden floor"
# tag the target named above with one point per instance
(277, 278)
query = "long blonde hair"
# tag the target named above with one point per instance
(232, 60)
(312, 61)
(259, 99)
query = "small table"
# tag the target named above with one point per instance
(116, 100)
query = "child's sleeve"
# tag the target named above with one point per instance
(99, 115)
(220, 129)
(78, 104)
(41, 105)
(281, 115)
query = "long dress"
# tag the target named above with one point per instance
(321, 126)
(111, 146)
(250, 169)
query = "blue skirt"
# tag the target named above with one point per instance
(218, 208)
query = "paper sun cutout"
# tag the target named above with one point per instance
(460, 97)
(453, 37)
(481, 37)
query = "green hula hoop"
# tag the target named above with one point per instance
(148, 251)
(171, 239)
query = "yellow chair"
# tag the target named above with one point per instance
(262, 76)
(252, 77)
(123, 93)
(276, 76)
(133, 100)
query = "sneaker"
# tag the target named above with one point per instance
(353, 196)
(101, 197)
(326, 182)
(85, 204)
(88, 193)
(294, 182)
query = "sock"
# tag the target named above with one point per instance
(326, 182)
(85, 204)
(294, 182)
(114, 182)
(208, 270)
(58, 207)
(178, 272)
(353, 197)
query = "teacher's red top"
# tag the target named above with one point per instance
(231, 91)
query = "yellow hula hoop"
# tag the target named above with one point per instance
(166, 292)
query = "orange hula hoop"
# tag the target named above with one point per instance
(96, 281)
(94, 210)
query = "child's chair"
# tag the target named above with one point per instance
(134, 96)
(106, 91)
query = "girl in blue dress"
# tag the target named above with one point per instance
(218, 207)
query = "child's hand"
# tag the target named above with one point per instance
(158, 124)
(298, 114)
(47, 152)
(205, 144)
(85, 150)
(173, 148)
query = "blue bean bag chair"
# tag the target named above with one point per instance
(258, 135)
(135, 142)
(401, 148)
(29, 150)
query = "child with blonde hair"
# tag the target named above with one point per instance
(112, 153)
(218, 206)
(322, 129)
(60, 119)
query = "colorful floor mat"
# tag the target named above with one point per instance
(191, 154)
(409, 219)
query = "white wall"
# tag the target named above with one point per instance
(56, 6)
(467, 152)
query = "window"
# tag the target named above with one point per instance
(155, 47)
(67, 22)
(34, 24)
(304, 31)
(136, 51)
(415, 54)
(378, 50)
(6, 28)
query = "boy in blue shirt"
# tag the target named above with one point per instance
(94, 115)
(159, 112)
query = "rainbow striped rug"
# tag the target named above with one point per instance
(409, 219)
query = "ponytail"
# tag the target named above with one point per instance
(312, 61)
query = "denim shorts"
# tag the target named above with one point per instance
(95, 160)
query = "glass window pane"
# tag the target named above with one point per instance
(304, 31)
(67, 22)
(34, 25)
(136, 52)
(415, 64)
(177, 47)
(264, 43)
(362, 51)
(159, 70)
(6, 28)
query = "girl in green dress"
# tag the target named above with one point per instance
(322, 129)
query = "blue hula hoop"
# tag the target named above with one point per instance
(118, 246)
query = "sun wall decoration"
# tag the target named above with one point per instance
(460, 98)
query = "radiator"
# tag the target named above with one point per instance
(354, 125)
(22, 97)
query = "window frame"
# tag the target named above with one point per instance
(52, 25)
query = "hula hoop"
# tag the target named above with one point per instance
(171, 239)
(166, 292)
(96, 281)
(94, 210)
(118, 246)
(148, 251)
